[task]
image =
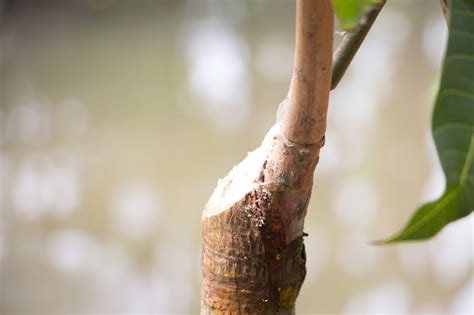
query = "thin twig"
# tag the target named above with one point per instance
(445, 9)
(351, 42)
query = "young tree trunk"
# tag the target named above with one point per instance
(253, 258)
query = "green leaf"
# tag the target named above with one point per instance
(453, 131)
(349, 11)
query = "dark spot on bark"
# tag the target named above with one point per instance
(266, 196)
(322, 142)
(283, 180)
(303, 253)
(261, 176)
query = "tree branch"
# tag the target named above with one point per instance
(253, 257)
(305, 119)
(351, 43)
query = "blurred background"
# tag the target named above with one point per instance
(118, 117)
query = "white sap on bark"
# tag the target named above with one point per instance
(242, 178)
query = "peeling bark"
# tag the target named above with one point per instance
(253, 254)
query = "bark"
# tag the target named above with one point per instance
(253, 256)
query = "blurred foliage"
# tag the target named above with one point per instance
(349, 11)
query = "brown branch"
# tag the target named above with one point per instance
(305, 118)
(253, 258)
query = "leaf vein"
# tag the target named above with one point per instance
(433, 212)
(448, 92)
(440, 206)
(443, 127)
(467, 164)
(463, 12)
(450, 57)
(459, 32)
